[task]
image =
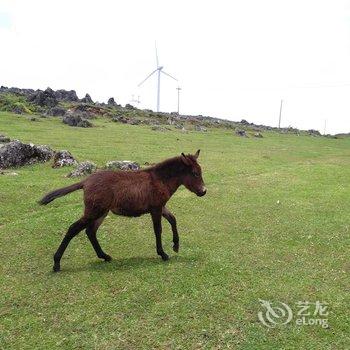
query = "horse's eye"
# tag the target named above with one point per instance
(195, 174)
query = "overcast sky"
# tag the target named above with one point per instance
(234, 59)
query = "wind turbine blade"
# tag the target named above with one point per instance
(169, 75)
(148, 76)
(156, 55)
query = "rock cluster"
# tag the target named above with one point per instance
(76, 120)
(16, 153)
(87, 99)
(126, 120)
(4, 139)
(122, 165)
(313, 132)
(45, 98)
(83, 169)
(241, 133)
(56, 111)
(63, 158)
(200, 128)
(64, 95)
(111, 102)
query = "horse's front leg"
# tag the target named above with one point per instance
(172, 221)
(157, 226)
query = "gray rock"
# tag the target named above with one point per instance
(313, 132)
(122, 165)
(120, 119)
(111, 102)
(76, 120)
(9, 173)
(16, 153)
(134, 121)
(64, 95)
(241, 133)
(63, 158)
(4, 139)
(44, 98)
(158, 128)
(171, 121)
(129, 106)
(258, 135)
(200, 128)
(56, 111)
(83, 169)
(87, 99)
(19, 109)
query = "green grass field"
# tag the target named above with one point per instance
(274, 225)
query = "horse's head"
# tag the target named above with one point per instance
(192, 178)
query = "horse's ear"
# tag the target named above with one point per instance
(185, 160)
(197, 154)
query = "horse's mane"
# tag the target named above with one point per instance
(171, 167)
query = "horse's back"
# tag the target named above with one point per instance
(125, 193)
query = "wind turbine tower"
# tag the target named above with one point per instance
(159, 70)
(178, 99)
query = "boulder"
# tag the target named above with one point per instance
(44, 98)
(9, 173)
(4, 139)
(122, 165)
(313, 132)
(16, 153)
(63, 158)
(134, 121)
(241, 133)
(120, 119)
(200, 128)
(83, 169)
(111, 102)
(171, 121)
(17, 91)
(87, 99)
(18, 109)
(129, 106)
(56, 111)
(64, 95)
(158, 128)
(258, 135)
(76, 120)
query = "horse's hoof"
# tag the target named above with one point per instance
(176, 248)
(165, 257)
(107, 258)
(56, 268)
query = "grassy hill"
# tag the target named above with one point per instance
(274, 225)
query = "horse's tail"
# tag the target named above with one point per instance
(60, 192)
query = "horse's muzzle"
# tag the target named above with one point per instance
(202, 192)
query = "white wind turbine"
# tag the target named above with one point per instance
(160, 71)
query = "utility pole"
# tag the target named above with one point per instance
(279, 120)
(325, 125)
(178, 99)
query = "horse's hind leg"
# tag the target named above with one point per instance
(172, 221)
(157, 226)
(73, 230)
(91, 231)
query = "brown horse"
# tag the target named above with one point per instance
(131, 193)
